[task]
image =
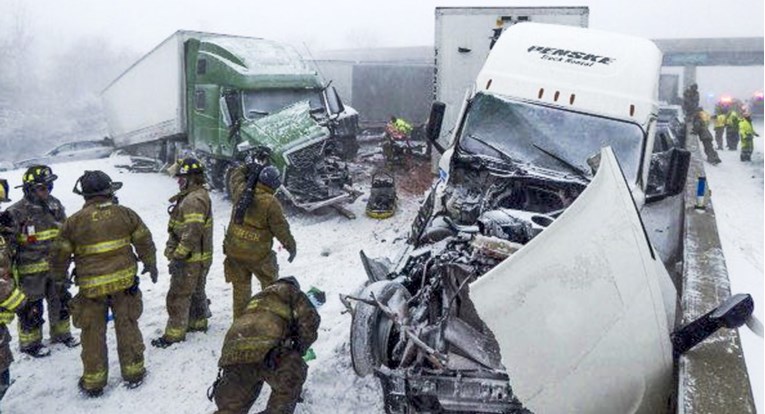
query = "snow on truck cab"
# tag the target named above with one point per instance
(528, 281)
(219, 96)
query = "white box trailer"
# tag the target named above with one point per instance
(464, 37)
(147, 101)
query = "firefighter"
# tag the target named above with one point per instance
(11, 297)
(189, 251)
(101, 238)
(731, 129)
(266, 344)
(691, 100)
(38, 217)
(719, 130)
(701, 128)
(250, 234)
(747, 137)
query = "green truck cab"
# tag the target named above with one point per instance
(216, 97)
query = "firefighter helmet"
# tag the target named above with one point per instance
(269, 176)
(38, 175)
(188, 166)
(96, 183)
(4, 191)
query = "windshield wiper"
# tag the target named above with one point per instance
(505, 156)
(573, 168)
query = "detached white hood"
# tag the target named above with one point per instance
(583, 312)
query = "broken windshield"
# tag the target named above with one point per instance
(518, 130)
(261, 103)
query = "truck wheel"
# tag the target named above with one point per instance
(373, 334)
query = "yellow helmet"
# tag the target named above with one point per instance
(4, 191)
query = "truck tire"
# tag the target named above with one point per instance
(371, 330)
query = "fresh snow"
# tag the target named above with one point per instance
(178, 377)
(328, 246)
(737, 196)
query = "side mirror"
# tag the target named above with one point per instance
(669, 172)
(731, 314)
(435, 121)
(333, 100)
(679, 162)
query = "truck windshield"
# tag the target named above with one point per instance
(261, 103)
(550, 138)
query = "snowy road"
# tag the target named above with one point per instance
(737, 196)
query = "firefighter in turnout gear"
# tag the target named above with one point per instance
(101, 239)
(250, 234)
(266, 344)
(38, 218)
(701, 128)
(11, 297)
(189, 251)
(731, 129)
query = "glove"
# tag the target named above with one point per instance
(175, 267)
(132, 290)
(152, 271)
(292, 253)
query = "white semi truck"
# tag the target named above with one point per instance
(529, 281)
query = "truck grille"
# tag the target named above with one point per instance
(306, 158)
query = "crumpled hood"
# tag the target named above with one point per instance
(282, 130)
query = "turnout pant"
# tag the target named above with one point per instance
(187, 301)
(731, 136)
(709, 148)
(239, 273)
(90, 315)
(38, 287)
(719, 132)
(747, 146)
(240, 386)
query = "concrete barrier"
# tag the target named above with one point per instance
(712, 377)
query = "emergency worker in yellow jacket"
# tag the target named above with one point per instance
(256, 219)
(731, 129)
(747, 134)
(189, 251)
(266, 344)
(101, 239)
(11, 297)
(38, 217)
(719, 130)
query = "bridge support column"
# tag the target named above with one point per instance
(689, 76)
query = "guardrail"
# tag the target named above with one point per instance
(712, 377)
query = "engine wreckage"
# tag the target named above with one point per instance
(414, 324)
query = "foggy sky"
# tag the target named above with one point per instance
(139, 25)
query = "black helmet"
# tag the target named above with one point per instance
(38, 175)
(4, 191)
(269, 176)
(96, 183)
(292, 280)
(188, 166)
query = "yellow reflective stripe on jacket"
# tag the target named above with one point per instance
(95, 281)
(40, 236)
(38, 267)
(6, 317)
(14, 300)
(200, 257)
(243, 233)
(103, 247)
(198, 218)
(278, 308)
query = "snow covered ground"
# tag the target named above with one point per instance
(737, 196)
(327, 258)
(178, 377)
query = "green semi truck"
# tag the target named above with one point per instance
(219, 96)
